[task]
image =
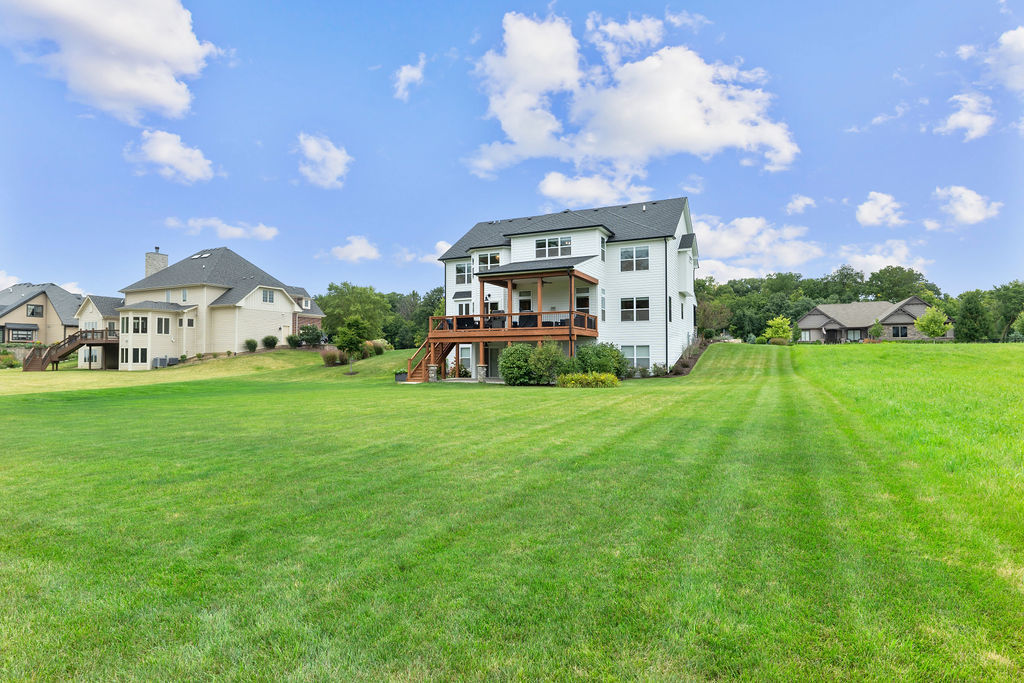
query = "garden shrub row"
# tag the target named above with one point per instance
(527, 364)
(586, 380)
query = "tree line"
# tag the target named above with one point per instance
(743, 307)
(399, 318)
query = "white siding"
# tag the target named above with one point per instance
(585, 242)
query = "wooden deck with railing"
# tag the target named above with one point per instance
(41, 356)
(511, 326)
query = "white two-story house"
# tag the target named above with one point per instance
(621, 274)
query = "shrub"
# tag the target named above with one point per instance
(458, 370)
(183, 358)
(401, 371)
(586, 380)
(643, 371)
(779, 327)
(546, 362)
(250, 344)
(378, 348)
(1018, 325)
(761, 340)
(7, 360)
(311, 334)
(294, 341)
(933, 323)
(659, 370)
(214, 354)
(779, 341)
(1015, 337)
(365, 350)
(343, 356)
(384, 343)
(572, 366)
(199, 356)
(330, 357)
(750, 339)
(230, 353)
(603, 357)
(876, 330)
(514, 364)
(270, 342)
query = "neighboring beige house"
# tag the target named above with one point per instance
(209, 302)
(98, 313)
(839, 323)
(37, 313)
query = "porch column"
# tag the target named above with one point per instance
(481, 308)
(572, 299)
(540, 303)
(508, 309)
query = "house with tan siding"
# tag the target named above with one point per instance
(37, 313)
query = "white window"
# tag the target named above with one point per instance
(463, 273)
(602, 304)
(184, 295)
(140, 324)
(34, 310)
(583, 299)
(180, 322)
(634, 258)
(805, 335)
(167, 296)
(268, 296)
(307, 304)
(853, 335)
(465, 358)
(90, 355)
(163, 325)
(554, 246)
(139, 355)
(464, 308)
(487, 261)
(604, 243)
(124, 324)
(124, 355)
(20, 335)
(637, 356)
(191, 322)
(525, 302)
(635, 309)
(89, 326)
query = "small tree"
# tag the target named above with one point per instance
(779, 328)
(876, 331)
(933, 323)
(546, 362)
(270, 342)
(1018, 324)
(311, 334)
(349, 342)
(972, 320)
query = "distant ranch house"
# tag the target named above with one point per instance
(839, 323)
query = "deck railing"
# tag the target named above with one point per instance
(553, 321)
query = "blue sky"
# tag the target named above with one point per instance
(329, 142)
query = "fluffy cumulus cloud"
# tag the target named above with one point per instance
(638, 101)
(973, 116)
(224, 230)
(407, 76)
(123, 58)
(171, 157)
(72, 287)
(405, 255)
(356, 248)
(889, 253)
(799, 203)
(690, 20)
(751, 245)
(6, 279)
(880, 209)
(325, 164)
(931, 224)
(966, 206)
(1006, 60)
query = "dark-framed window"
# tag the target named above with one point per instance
(636, 309)
(139, 355)
(191, 322)
(488, 261)
(180, 323)
(34, 310)
(899, 331)
(634, 258)
(604, 244)
(163, 325)
(583, 299)
(463, 273)
(550, 247)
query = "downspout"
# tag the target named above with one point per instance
(666, 302)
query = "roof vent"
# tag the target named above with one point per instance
(205, 255)
(643, 208)
(196, 256)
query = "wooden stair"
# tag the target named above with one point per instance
(41, 356)
(431, 352)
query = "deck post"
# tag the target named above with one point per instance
(540, 303)
(508, 308)
(481, 309)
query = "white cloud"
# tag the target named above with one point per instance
(751, 245)
(326, 165)
(723, 272)
(694, 184)
(618, 115)
(683, 18)
(404, 255)
(974, 116)
(931, 224)
(72, 287)
(897, 75)
(898, 112)
(798, 203)
(966, 51)
(880, 209)
(407, 76)
(1006, 60)
(225, 231)
(6, 279)
(965, 206)
(590, 190)
(356, 248)
(123, 58)
(172, 158)
(876, 257)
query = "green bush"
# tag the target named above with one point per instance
(514, 364)
(384, 344)
(311, 334)
(546, 362)
(214, 354)
(343, 356)
(330, 357)
(603, 357)
(366, 350)
(378, 348)
(7, 360)
(659, 370)
(199, 356)
(643, 371)
(779, 327)
(183, 358)
(250, 344)
(761, 340)
(294, 341)
(587, 380)
(270, 342)
(750, 339)
(779, 341)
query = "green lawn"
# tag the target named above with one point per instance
(810, 512)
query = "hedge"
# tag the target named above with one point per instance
(586, 380)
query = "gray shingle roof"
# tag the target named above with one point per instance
(642, 220)
(156, 306)
(538, 265)
(687, 241)
(107, 305)
(219, 267)
(859, 313)
(464, 294)
(64, 302)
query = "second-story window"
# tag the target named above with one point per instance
(488, 261)
(634, 258)
(554, 246)
(34, 310)
(463, 273)
(635, 309)
(184, 295)
(268, 296)
(306, 304)
(140, 324)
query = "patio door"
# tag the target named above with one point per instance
(492, 352)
